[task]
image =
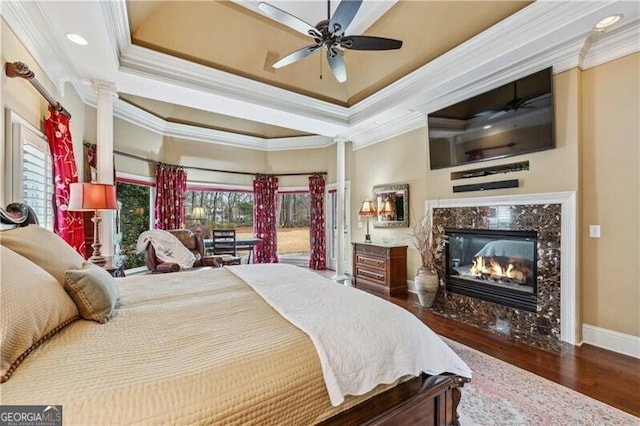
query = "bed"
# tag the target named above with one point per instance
(249, 344)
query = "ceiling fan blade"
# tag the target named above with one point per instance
(370, 43)
(343, 16)
(289, 20)
(295, 56)
(336, 63)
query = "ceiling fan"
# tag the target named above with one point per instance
(329, 34)
(514, 104)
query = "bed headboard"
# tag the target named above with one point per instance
(18, 214)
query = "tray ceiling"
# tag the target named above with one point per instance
(232, 38)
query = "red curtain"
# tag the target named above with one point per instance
(265, 208)
(171, 184)
(317, 256)
(68, 225)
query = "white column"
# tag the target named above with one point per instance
(340, 203)
(104, 151)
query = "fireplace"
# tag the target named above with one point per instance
(498, 266)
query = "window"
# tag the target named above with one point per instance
(33, 177)
(221, 209)
(134, 217)
(293, 224)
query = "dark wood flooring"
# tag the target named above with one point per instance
(601, 374)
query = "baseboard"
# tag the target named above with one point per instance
(612, 340)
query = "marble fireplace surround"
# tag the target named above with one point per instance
(553, 215)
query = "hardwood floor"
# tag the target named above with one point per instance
(601, 374)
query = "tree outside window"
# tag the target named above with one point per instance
(134, 216)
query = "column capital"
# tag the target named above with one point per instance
(104, 88)
(340, 139)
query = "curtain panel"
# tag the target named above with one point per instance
(265, 209)
(171, 184)
(317, 255)
(69, 225)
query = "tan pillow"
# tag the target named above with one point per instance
(43, 248)
(93, 290)
(33, 307)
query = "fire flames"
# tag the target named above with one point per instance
(493, 270)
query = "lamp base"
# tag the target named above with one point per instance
(367, 239)
(96, 257)
(98, 260)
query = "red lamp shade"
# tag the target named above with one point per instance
(92, 196)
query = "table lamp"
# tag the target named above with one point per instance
(367, 210)
(198, 214)
(93, 197)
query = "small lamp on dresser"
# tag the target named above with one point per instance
(93, 197)
(368, 210)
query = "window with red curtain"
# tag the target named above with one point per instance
(317, 256)
(67, 224)
(265, 209)
(171, 184)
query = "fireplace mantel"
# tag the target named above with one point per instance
(568, 229)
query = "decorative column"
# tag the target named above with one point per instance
(104, 151)
(340, 203)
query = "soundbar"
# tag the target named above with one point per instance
(511, 183)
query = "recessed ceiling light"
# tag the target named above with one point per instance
(607, 22)
(488, 126)
(77, 39)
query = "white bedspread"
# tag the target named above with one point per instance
(350, 331)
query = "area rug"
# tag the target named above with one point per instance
(502, 394)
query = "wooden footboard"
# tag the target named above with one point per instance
(425, 400)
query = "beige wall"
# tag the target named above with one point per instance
(18, 95)
(398, 160)
(611, 195)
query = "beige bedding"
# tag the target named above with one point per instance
(172, 354)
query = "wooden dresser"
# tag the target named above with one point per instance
(380, 269)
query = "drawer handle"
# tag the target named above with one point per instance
(369, 261)
(371, 274)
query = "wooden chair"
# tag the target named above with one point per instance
(224, 244)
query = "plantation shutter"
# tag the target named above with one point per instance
(37, 176)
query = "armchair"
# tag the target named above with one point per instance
(190, 240)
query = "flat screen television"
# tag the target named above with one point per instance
(513, 119)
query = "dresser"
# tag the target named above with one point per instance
(380, 269)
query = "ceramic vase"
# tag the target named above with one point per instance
(426, 283)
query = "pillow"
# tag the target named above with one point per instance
(43, 248)
(33, 307)
(93, 290)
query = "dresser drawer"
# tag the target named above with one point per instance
(380, 269)
(370, 274)
(372, 262)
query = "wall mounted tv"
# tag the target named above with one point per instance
(513, 119)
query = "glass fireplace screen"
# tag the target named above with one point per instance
(497, 266)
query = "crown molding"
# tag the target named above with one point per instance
(32, 28)
(117, 24)
(146, 120)
(615, 44)
(372, 135)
